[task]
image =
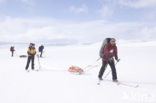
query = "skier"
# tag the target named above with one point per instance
(41, 50)
(31, 56)
(12, 49)
(110, 51)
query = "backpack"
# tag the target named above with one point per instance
(39, 49)
(105, 42)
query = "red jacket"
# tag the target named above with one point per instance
(12, 49)
(109, 52)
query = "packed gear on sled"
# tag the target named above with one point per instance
(23, 56)
(75, 69)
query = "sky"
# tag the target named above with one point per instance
(72, 21)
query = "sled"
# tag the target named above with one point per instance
(75, 69)
(23, 56)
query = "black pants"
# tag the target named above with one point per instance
(41, 54)
(12, 53)
(103, 68)
(30, 58)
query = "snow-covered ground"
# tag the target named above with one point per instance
(54, 84)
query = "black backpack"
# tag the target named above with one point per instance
(105, 42)
(40, 49)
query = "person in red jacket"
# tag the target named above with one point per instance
(12, 49)
(110, 51)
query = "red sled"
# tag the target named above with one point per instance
(75, 69)
(23, 56)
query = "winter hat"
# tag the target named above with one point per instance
(31, 44)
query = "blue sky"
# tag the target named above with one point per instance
(77, 19)
(50, 8)
(62, 9)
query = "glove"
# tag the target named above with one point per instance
(118, 60)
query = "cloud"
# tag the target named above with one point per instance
(105, 11)
(82, 9)
(44, 29)
(21, 29)
(131, 3)
(138, 3)
(107, 8)
(145, 10)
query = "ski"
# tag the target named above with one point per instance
(127, 84)
(99, 82)
(27, 70)
(120, 83)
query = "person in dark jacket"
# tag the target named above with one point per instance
(41, 50)
(31, 56)
(12, 49)
(110, 51)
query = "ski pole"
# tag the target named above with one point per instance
(110, 70)
(39, 61)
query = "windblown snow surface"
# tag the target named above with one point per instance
(54, 84)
